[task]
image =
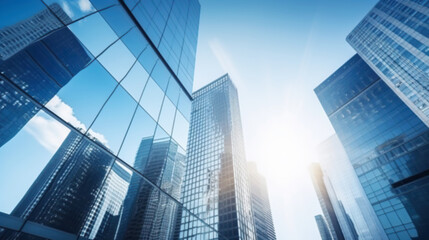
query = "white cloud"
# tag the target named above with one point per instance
(225, 61)
(47, 131)
(85, 5)
(64, 111)
(50, 133)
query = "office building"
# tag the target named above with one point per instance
(326, 202)
(263, 220)
(355, 213)
(393, 39)
(325, 234)
(386, 144)
(216, 183)
(92, 147)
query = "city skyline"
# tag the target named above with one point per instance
(200, 119)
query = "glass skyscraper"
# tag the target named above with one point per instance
(326, 201)
(216, 185)
(323, 227)
(263, 220)
(393, 39)
(95, 104)
(387, 146)
(355, 214)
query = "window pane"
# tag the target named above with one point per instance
(42, 137)
(161, 75)
(71, 10)
(111, 125)
(94, 33)
(117, 59)
(152, 98)
(148, 59)
(118, 19)
(135, 41)
(180, 130)
(173, 91)
(135, 81)
(166, 118)
(92, 85)
(139, 138)
(185, 105)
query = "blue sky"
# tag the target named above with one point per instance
(277, 52)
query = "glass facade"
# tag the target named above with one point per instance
(326, 201)
(355, 213)
(216, 186)
(263, 220)
(386, 143)
(323, 228)
(94, 117)
(393, 39)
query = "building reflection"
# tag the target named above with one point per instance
(40, 58)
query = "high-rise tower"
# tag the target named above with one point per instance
(264, 226)
(216, 183)
(95, 103)
(393, 39)
(387, 146)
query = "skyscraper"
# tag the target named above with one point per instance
(326, 202)
(325, 234)
(85, 139)
(393, 41)
(355, 213)
(263, 220)
(216, 183)
(386, 143)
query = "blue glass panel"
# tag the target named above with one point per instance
(94, 33)
(138, 141)
(135, 81)
(135, 41)
(148, 59)
(152, 98)
(70, 10)
(180, 130)
(185, 105)
(94, 85)
(118, 19)
(101, 4)
(173, 91)
(110, 58)
(112, 123)
(12, 12)
(166, 118)
(161, 75)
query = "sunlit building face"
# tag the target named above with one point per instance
(95, 103)
(386, 143)
(216, 187)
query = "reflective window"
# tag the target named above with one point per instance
(161, 75)
(180, 130)
(118, 19)
(135, 81)
(148, 59)
(12, 12)
(42, 137)
(94, 33)
(135, 41)
(92, 85)
(166, 118)
(117, 59)
(185, 105)
(111, 125)
(69, 11)
(173, 91)
(71, 181)
(138, 141)
(152, 98)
